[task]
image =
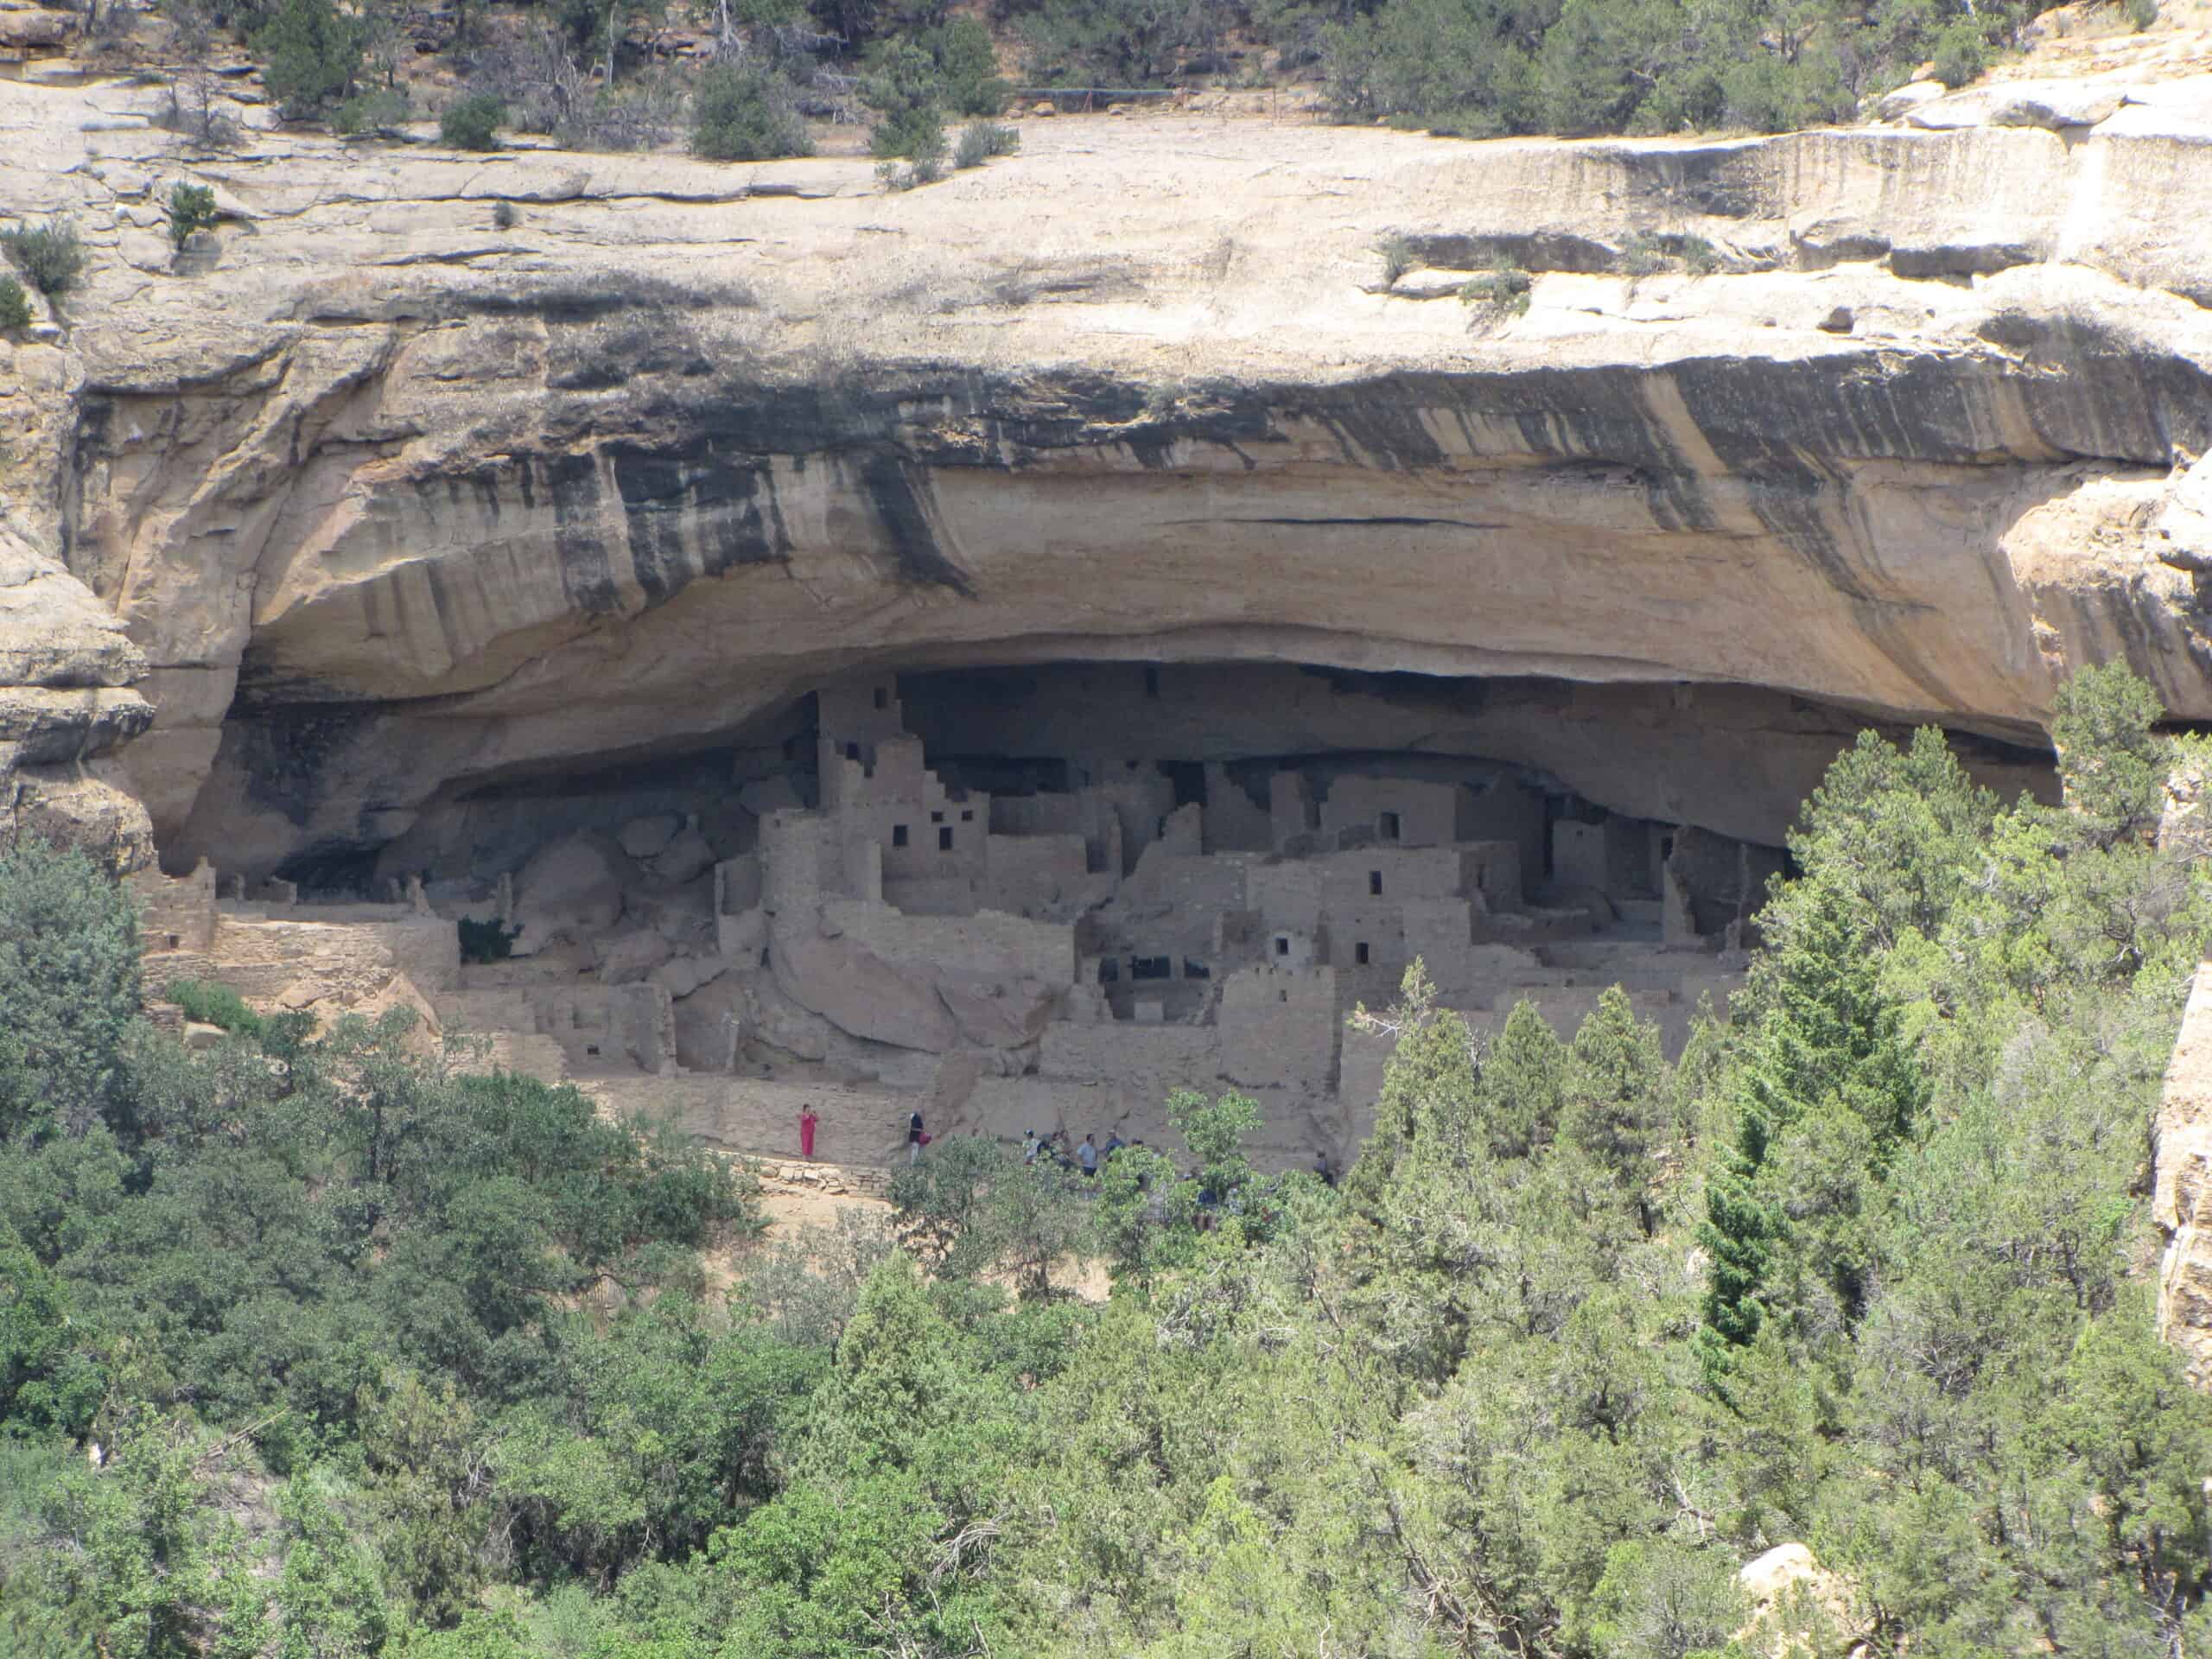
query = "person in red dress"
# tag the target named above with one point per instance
(806, 1132)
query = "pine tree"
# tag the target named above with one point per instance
(1827, 1046)
(1615, 1098)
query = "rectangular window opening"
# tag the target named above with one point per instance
(1387, 829)
(936, 817)
(944, 839)
(1283, 947)
(851, 751)
(898, 834)
(1374, 883)
(882, 698)
(967, 816)
(1109, 971)
(1152, 968)
(1359, 953)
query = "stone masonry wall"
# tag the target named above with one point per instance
(987, 943)
(1150, 1060)
(175, 913)
(1279, 1026)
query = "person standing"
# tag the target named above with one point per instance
(806, 1122)
(1030, 1143)
(915, 1139)
(1087, 1155)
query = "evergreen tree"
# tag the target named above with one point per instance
(1826, 1076)
(68, 988)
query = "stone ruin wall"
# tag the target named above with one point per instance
(1073, 958)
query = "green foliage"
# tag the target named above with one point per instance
(191, 208)
(1961, 53)
(980, 141)
(493, 940)
(68, 990)
(330, 1602)
(310, 54)
(51, 256)
(1121, 43)
(2140, 14)
(472, 123)
(1641, 255)
(377, 110)
(2114, 764)
(747, 113)
(1502, 291)
(384, 1360)
(1479, 68)
(1398, 258)
(212, 1004)
(15, 305)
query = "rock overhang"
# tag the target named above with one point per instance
(396, 505)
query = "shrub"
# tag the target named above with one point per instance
(503, 215)
(916, 136)
(1502, 291)
(15, 305)
(926, 170)
(1699, 257)
(309, 54)
(375, 112)
(967, 68)
(1641, 256)
(1123, 42)
(206, 1003)
(490, 941)
(1961, 53)
(1398, 258)
(192, 207)
(2141, 14)
(472, 123)
(747, 113)
(982, 140)
(49, 254)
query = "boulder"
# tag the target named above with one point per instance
(687, 857)
(681, 975)
(647, 838)
(861, 994)
(2054, 104)
(781, 1023)
(997, 1014)
(570, 884)
(1909, 97)
(37, 28)
(2182, 533)
(629, 957)
(1424, 284)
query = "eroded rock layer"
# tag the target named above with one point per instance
(399, 502)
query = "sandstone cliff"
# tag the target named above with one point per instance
(395, 500)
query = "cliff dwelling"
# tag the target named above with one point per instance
(1046, 897)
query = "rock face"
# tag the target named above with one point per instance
(66, 668)
(398, 504)
(2181, 1201)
